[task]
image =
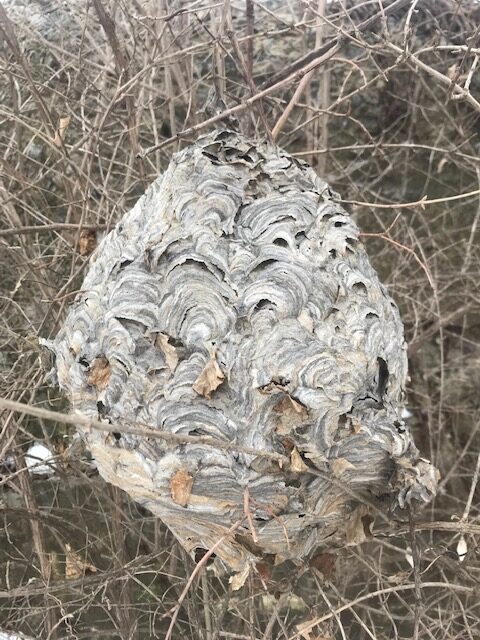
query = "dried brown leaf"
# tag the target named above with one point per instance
(290, 413)
(287, 403)
(210, 378)
(441, 164)
(181, 487)
(306, 631)
(359, 524)
(100, 373)
(325, 563)
(75, 565)
(288, 444)
(452, 71)
(168, 350)
(238, 579)
(399, 578)
(296, 463)
(87, 242)
(340, 465)
(356, 425)
(60, 132)
(264, 570)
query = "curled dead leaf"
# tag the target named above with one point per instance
(210, 378)
(452, 71)
(287, 403)
(296, 463)
(340, 465)
(399, 578)
(264, 570)
(100, 373)
(441, 164)
(290, 412)
(75, 565)
(462, 548)
(312, 630)
(181, 487)
(288, 444)
(87, 242)
(359, 525)
(325, 563)
(168, 350)
(61, 130)
(238, 579)
(356, 425)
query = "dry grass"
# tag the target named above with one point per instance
(95, 97)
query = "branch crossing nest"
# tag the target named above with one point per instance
(236, 302)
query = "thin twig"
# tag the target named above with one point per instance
(54, 226)
(386, 237)
(141, 430)
(471, 493)
(200, 565)
(310, 57)
(408, 205)
(305, 628)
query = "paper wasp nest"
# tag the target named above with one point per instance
(235, 301)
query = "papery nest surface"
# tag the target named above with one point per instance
(236, 302)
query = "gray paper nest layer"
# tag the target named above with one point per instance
(236, 301)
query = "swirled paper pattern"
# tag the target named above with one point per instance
(236, 301)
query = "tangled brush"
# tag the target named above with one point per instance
(234, 312)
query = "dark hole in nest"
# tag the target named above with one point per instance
(102, 409)
(263, 265)
(223, 135)
(300, 236)
(117, 435)
(342, 420)
(383, 375)
(399, 427)
(303, 429)
(280, 242)
(176, 342)
(293, 482)
(213, 159)
(134, 327)
(332, 311)
(264, 304)
(198, 432)
(360, 287)
(200, 553)
(245, 540)
(246, 157)
(199, 264)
